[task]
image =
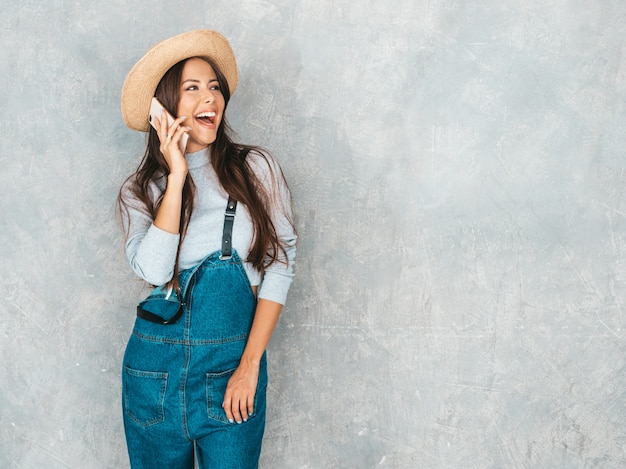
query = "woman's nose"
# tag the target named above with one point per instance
(209, 98)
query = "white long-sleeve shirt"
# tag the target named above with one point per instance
(152, 251)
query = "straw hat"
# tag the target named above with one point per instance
(141, 82)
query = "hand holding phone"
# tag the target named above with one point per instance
(157, 110)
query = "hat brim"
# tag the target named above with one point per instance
(142, 80)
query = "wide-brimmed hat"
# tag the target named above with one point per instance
(142, 80)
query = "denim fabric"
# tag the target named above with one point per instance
(174, 376)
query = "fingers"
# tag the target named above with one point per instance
(171, 144)
(175, 137)
(238, 408)
(170, 132)
(240, 392)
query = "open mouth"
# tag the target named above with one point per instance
(206, 117)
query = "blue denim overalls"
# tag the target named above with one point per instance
(175, 374)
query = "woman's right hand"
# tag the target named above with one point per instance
(169, 137)
(169, 212)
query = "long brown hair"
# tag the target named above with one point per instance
(232, 169)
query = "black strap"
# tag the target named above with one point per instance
(148, 316)
(229, 219)
(227, 232)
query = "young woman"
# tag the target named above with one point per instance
(211, 228)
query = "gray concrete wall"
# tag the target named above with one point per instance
(458, 170)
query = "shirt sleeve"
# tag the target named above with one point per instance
(151, 251)
(278, 277)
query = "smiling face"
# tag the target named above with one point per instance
(202, 102)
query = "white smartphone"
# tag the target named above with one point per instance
(156, 110)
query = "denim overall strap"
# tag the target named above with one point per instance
(229, 218)
(227, 232)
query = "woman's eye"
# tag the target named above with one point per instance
(192, 88)
(215, 87)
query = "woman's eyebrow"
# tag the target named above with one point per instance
(194, 80)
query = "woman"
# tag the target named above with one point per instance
(212, 229)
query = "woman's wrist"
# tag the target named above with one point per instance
(176, 180)
(251, 359)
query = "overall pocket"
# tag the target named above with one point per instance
(144, 396)
(216, 388)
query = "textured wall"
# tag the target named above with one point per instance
(458, 169)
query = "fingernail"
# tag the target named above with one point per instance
(222, 405)
(245, 420)
(188, 127)
(183, 117)
(231, 421)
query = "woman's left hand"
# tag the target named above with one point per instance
(240, 392)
